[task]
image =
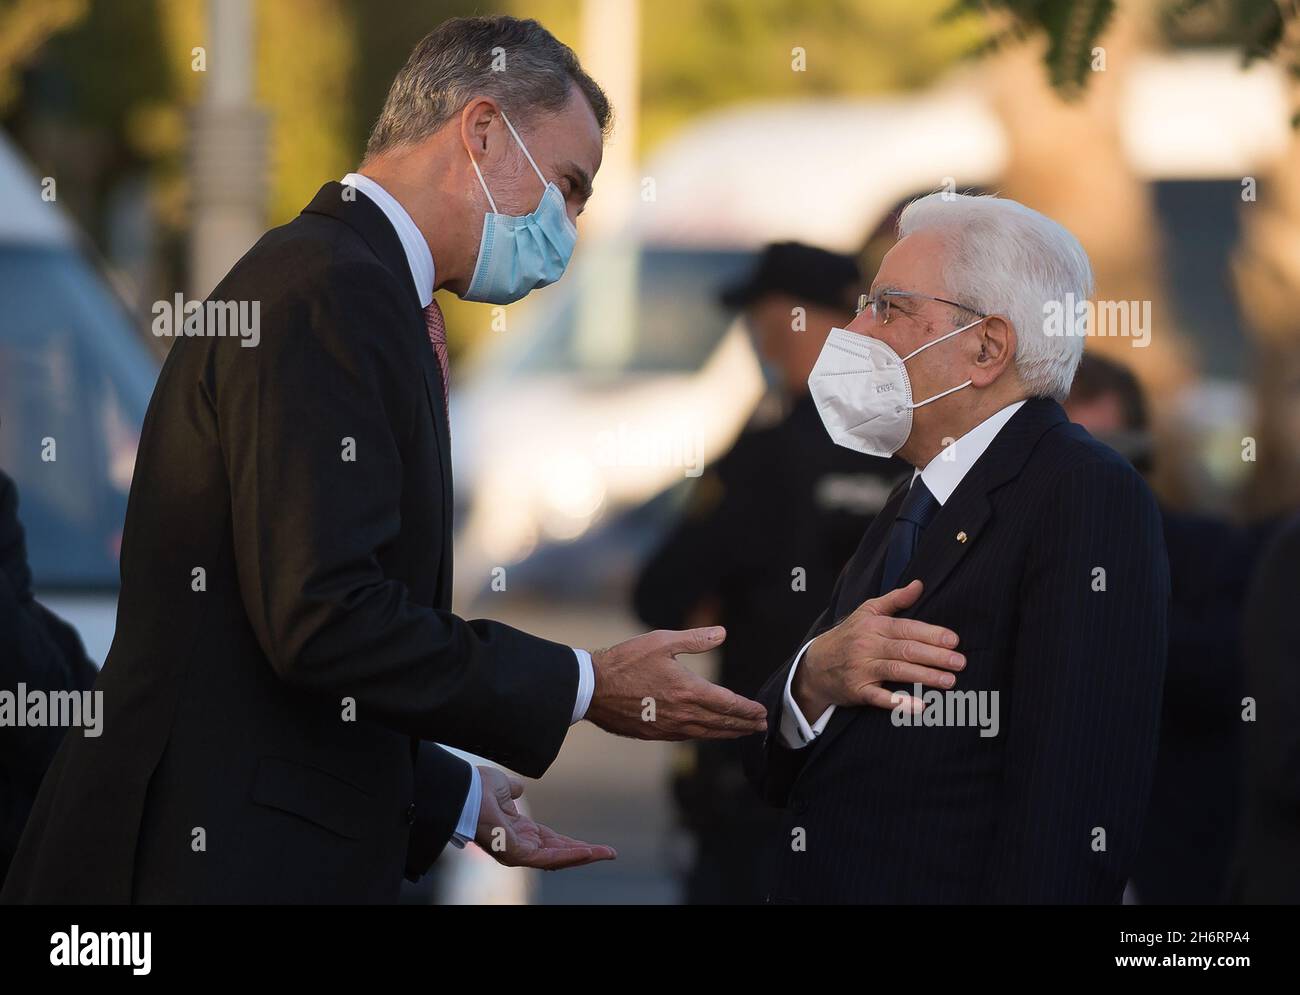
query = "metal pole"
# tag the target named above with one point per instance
(228, 150)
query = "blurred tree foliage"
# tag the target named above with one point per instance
(307, 57)
(1073, 28)
(25, 25)
(77, 111)
(117, 77)
(697, 55)
(98, 91)
(701, 54)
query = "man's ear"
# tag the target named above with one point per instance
(997, 350)
(476, 122)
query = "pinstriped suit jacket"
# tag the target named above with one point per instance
(1059, 595)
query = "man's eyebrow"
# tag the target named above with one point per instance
(578, 176)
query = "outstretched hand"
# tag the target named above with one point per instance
(515, 840)
(643, 692)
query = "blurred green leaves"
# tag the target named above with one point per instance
(700, 54)
(1071, 29)
(99, 90)
(25, 25)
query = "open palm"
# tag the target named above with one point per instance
(515, 840)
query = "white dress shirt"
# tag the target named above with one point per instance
(420, 261)
(941, 475)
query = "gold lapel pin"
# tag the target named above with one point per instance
(961, 536)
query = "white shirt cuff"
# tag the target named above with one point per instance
(586, 685)
(467, 827)
(795, 731)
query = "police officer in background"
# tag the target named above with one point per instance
(763, 538)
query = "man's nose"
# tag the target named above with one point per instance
(865, 324)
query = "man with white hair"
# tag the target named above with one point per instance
(973, 717)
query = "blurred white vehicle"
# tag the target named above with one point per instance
(75, 379)
(608, 398)
(626, 377)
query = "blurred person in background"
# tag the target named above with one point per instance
(1195, 797)
(1267, 865)
(286, 660)
(39, 651)
(765, 533)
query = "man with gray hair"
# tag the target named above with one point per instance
(285, 658)
(973, 717)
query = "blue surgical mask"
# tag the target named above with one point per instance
(518, 254)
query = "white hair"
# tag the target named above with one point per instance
(1007, 259)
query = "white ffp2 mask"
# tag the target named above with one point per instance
(863, 393)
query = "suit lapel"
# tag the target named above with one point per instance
(945, 542)
(956, 528)
(967, 512)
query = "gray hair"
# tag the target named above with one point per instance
(1005, 258)
(517, 62)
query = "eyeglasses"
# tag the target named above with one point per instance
(880, 306)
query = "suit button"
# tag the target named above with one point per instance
(410, 814)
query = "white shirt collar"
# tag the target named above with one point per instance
(943, 473)
(418, 256)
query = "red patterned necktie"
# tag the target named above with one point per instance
(438, 339)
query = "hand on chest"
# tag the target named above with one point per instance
(971, 577)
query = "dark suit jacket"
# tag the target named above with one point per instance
(1267, 866)
(229, 768)
(41, 651)
(940, 814)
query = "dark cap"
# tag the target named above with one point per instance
(805, 273)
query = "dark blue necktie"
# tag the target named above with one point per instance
(918, 509)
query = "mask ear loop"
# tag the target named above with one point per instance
(950, 390)
(527, 154)
(474, 162)
(949, 335)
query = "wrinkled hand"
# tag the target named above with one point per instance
(515, 840)
(847, 664)
(643, 692)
